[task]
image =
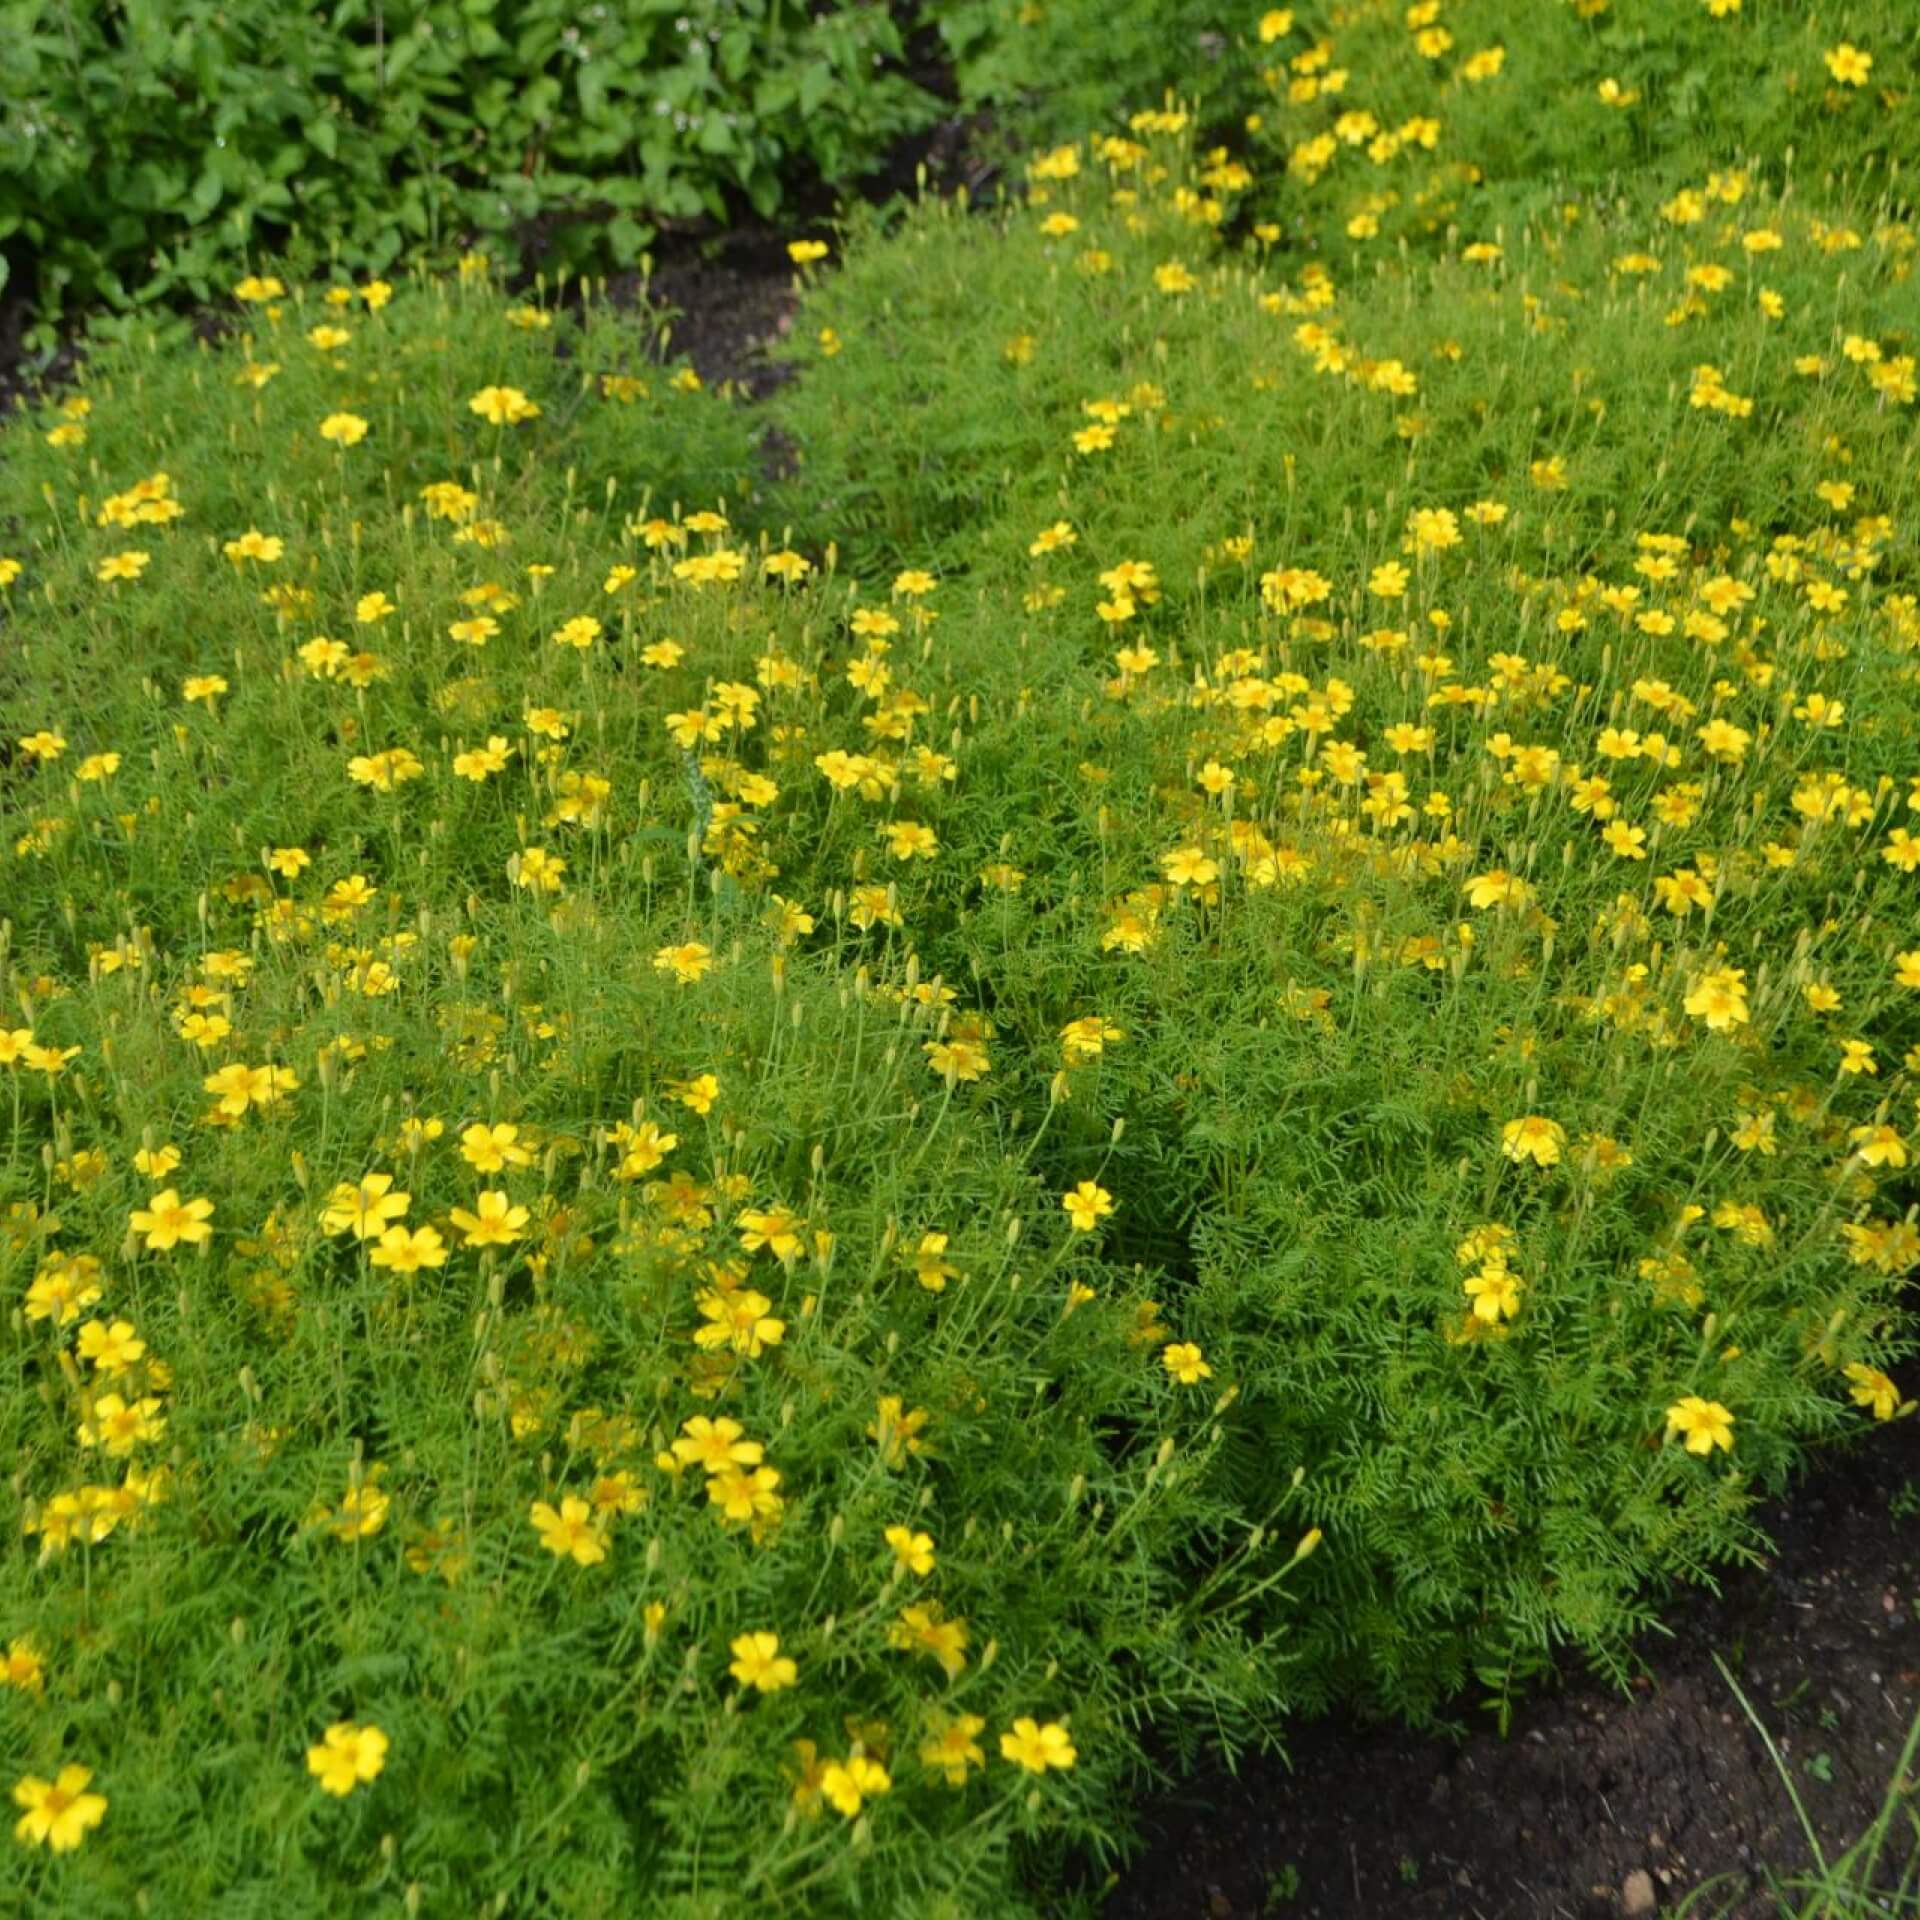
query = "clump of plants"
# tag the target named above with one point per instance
(707, 1186)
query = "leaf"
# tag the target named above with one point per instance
(627, 239)
(816, 83)
(205, 195)
(591, 80)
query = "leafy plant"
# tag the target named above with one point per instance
(148, 150)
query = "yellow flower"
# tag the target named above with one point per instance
(1182, 1359)
(487, 1149)
(956, 1059)
(347, 1756)
(1087, 1205)
(913, 1551)
(1706, 1424)
(698, 1093)
(804, 252)
(1494, 1292)
(343, 429)
(59, 1813)
(495, 1223)
(1848, 65)
(1879, 1145)
(955, 1749)
(850, 1782)
(404, 1251)
(759, 1663)
(572, 1533)
(687, 962)
(254, 545)
(166, 1221)
(1533, 1137)
(109, 1349)
(118, 1426)
(1720, 998)
(926, 1629)
(365, 1208)
(716, 1445)
(1035, 1747)
(1873, 1389)
(22, 1668)
(503, 406)
(238, 1087)
(739, 1321)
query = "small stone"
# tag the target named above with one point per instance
(1637, 1894)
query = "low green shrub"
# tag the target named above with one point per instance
(147, 151)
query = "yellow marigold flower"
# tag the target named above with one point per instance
(494, 1222)
(1037, 1748)
(404, 1250)
(572, 1533)
(1183, 1360)
(503, 406)
(912, 1551)
(1087, 1205)
(687, 963)
(364, 1208)
(59, 1813)
(1849, 65)
(1706, 1424)
(716, 1445)
(739, 1321)
(487, 1149)
(759, 1663)
(848, 1784)
(1720, 999)
(22, 1668)
(110, 1348)
(346, 1757)
(1533, 1137)
(167, 1221)
(1873, 1390)
(955, 1749)
(343, 429)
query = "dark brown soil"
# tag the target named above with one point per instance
(1591, 1788)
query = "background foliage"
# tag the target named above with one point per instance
(147, 147)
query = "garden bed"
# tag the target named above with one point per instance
(1317, 1125)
